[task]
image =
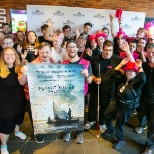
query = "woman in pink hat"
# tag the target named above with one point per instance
(100, 38)
(127, 99)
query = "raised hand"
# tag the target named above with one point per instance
(89, 52)
(77, 32)
(50, 24)
(19, 48)
(138, 63)
(24, 55)
(24, 70)
(124, 61)
(124, 46)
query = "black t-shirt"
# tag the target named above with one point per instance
(31, 54)
(11, 95)
(147, 92)
(41, 39)
(1, 49)
(107, 85)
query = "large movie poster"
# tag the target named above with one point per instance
(75, 17)
(56, 96)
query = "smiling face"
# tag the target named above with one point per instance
(8, 42)
(6, 29)
(107, 52)
(67, 32)
(9, 57)
(150, 55)
(72, 50)
(132, 47)
(44, 54)
(20, 36)
(86, 29)
(31, 37)
(130, 74)
(100, 41)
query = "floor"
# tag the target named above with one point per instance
(54, 145)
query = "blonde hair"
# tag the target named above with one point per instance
(26, 43)
(4, 70)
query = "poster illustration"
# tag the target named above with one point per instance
(56, 96)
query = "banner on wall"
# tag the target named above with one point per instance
(56, 96)
(37, 15)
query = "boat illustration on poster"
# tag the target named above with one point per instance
(62, 117)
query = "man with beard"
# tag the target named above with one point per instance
(44, 51)
(73, 58)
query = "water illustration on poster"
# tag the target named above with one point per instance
(56, 96)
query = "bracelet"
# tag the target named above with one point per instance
(87, 76)
(139, 68)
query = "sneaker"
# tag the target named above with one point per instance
(102, 128)
(118, 144)
(4, 150)
(39, 138)
(21, 135)
(89, 124)
(66, 136)
(108, 133)
(79, 139)
(147, 151)
(139, 130)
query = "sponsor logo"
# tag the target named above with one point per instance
(46, 22)
(79, 14)
(99, 16)
(68, 22)
(126, 26)
(38, 30)
(136, 19)
(58, 13)
(37, 12)
(106, 25)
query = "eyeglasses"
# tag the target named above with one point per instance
(9, 43)
(73, 47)
(106, 50)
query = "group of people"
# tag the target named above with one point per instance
(123, 70)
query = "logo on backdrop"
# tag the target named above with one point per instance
(136, 19)
(38, 30)
(79, 14)
(126, 26)
(106, 25)
(37, 12)
(46, 22)
(58, 13)
(99, 16)
(68, 22)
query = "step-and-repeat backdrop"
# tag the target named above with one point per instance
(38, 15)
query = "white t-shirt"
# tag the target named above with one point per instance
(58, 56)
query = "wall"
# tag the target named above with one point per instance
(128, 5)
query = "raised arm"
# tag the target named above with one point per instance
(125, 47)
